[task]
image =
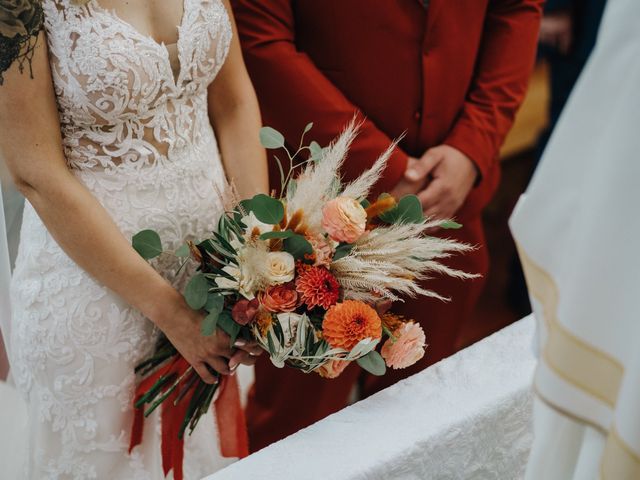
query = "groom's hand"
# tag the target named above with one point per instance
(450, 176)
(407, 186)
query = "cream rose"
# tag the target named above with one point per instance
(281, 267)
(344, 219)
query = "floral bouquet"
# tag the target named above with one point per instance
(301, 273)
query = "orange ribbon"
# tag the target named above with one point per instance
(230, 418)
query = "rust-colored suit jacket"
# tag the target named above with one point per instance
(454, 73)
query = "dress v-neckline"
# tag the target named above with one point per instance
(176, 80)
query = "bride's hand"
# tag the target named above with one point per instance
(214, 351)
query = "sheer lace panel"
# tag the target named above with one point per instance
(121, 104)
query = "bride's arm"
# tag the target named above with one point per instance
(235, 117)
(30, 143)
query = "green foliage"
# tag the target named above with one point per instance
(316, 151)
(215, 303)
(182, 251)
(209, 323)
(229, 326)
(298, 246)
(408, 210)
(197, 291)
(342, 251)
(373, 363)
(450, 225)
(267, 209)
(147, 243)
(282, 234)
(271, 138)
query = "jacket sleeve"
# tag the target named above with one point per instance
(503, 68)
(292, 91)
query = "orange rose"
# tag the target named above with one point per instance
(279, 298)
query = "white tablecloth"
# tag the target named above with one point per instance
(467, 417)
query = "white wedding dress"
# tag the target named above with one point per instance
(137, 134)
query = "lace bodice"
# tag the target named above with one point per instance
(121, 107)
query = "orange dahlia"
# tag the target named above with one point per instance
(349, 322)
(317, 287)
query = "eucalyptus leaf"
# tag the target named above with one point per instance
(408, 210)
(215, 303)
(271, 138)
(282, 234)
(182, 251)
(316, 151)
(450, 225)
(147, 243)
(197, 291)
(209, 323)
(373, 363)
(267, 209)
(342, 251)
(297, 246)
(229, 326)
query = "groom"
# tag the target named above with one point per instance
(450, 75)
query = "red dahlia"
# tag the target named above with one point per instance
(317, 287)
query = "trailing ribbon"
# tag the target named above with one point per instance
(229, 416)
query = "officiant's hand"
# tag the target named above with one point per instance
(449, 175)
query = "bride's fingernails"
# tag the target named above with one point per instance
(240, 343)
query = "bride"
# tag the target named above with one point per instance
(108, 119)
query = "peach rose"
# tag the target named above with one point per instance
(344, 219)
(279, 298)
(332, 368)
(408, 347)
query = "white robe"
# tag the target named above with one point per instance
(578, 232)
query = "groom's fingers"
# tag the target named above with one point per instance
(420, 168)
(430, 196)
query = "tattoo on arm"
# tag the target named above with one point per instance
(20, 24)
